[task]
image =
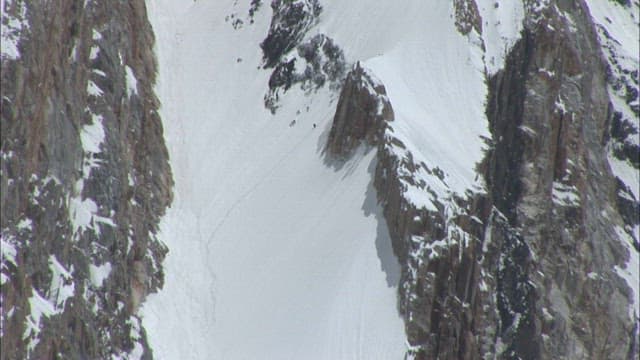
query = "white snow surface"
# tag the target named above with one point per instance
(501, 27)
(434, 78)
(62, 286)
(631, 272)
(621, 23)
(273, 254)
(132, 82)
(10, 29)
(98, 274)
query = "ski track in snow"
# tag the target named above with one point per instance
(244, 196)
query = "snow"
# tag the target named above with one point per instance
(621, 25)
(132, 82)
(98, 274)
(10, 29)
(93, 89)
(81, 211)
(134, 334)
(62, 286)
(627, 174)
(565, 195)
(138, 350)
(273, 254)
(620, 22)
(39, 307)
(92, 135)
(502, 22)
(93, 53)
(84, 211)
(25, 223)
(8, 253)
(425, 86)
(631, 272)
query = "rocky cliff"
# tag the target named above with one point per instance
(84, 179)
(538, 263)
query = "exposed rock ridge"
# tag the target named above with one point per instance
(85, 179)
(361, 114)
(533, 267)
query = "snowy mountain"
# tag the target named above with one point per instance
(349, 179)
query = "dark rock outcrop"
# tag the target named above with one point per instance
(85, 179)
(317, 61)
(361, 115)
(289, 24)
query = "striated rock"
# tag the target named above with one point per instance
(548, 111)
(361, 115)
(85, 179)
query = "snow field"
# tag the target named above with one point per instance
(273, 254)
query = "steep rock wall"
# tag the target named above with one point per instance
(548, 174)
(85, 179)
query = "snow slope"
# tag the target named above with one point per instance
(273, 254)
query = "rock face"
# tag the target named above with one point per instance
(85, 179)
(361, 115)
(561, 205)
(530, 267)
